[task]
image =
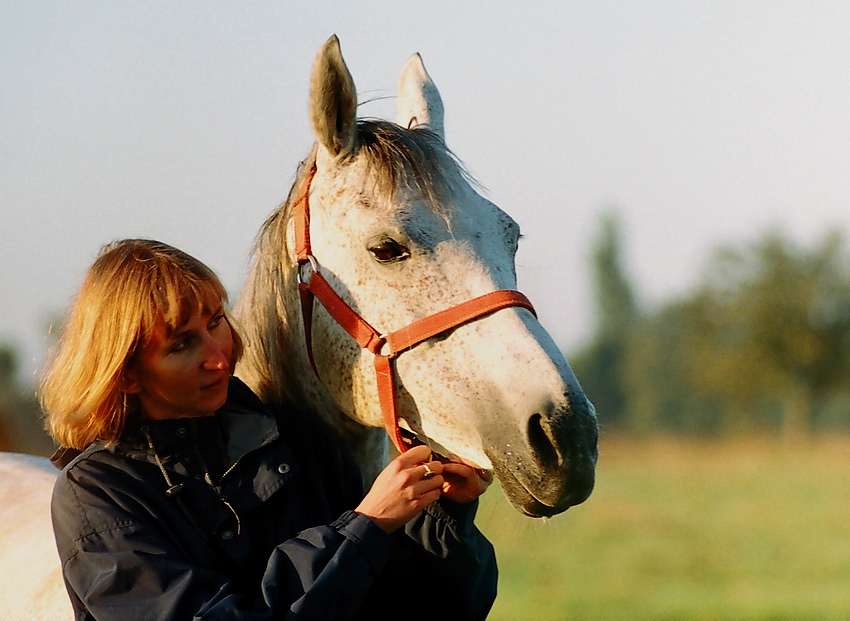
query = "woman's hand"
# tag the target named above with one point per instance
(405, 487)
(462, 483)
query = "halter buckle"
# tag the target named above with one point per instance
(304, 278)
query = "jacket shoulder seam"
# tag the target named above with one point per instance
(93, 532)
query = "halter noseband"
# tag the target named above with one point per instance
(314, 285)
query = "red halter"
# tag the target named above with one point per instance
(315, 285)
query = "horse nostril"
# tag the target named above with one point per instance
(542, 443)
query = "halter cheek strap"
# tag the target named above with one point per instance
(385, 347)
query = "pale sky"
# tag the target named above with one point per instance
(700, 123)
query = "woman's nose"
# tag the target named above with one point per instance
(216, 358)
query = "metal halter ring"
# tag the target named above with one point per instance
(305, 274)
(428, 472)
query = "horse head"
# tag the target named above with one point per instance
(399, 231)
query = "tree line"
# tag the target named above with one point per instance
(761, 343)
(21, 427)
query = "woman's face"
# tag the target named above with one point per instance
(185, 373)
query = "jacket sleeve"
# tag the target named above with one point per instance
(120, 566)
(458, 556)
(441, 545)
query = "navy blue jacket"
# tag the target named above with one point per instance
(248, 515)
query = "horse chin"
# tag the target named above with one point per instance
(534, 504)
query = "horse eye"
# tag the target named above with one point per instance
(389, 251)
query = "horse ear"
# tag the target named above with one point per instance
(333, 100)
(419, 101)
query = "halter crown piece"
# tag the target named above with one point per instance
(385, 347)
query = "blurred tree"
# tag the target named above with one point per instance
(771, 328)
(657, 376)
(601, 365)
(8, 395)
(8, 370)
(20, 417)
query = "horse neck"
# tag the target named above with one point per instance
(266, 365)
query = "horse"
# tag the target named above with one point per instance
(381, 298)
(31, 585)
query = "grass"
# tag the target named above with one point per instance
(686, 529)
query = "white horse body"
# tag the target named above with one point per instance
(495, 393)
(31, 586)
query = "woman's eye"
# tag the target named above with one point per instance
(389, 251)
(181, 344)
(216, 321)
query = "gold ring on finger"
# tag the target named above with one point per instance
(428, 472)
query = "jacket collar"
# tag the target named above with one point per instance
(245, 421)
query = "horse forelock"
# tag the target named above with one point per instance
(410, 160)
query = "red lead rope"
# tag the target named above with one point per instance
(316, 286)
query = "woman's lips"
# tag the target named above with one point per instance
(218, 383)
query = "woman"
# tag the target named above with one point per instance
(190, 499)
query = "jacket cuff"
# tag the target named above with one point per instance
(459, 516)
(372, 542)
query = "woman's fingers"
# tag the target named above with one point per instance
(412, 481)
(430, 469)
(418, 461)
(407, 485)
(463, 483)
(413, 456)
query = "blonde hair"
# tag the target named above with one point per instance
(132, 284)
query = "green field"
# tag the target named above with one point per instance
(686, 529)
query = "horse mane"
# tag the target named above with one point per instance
(399, 160)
